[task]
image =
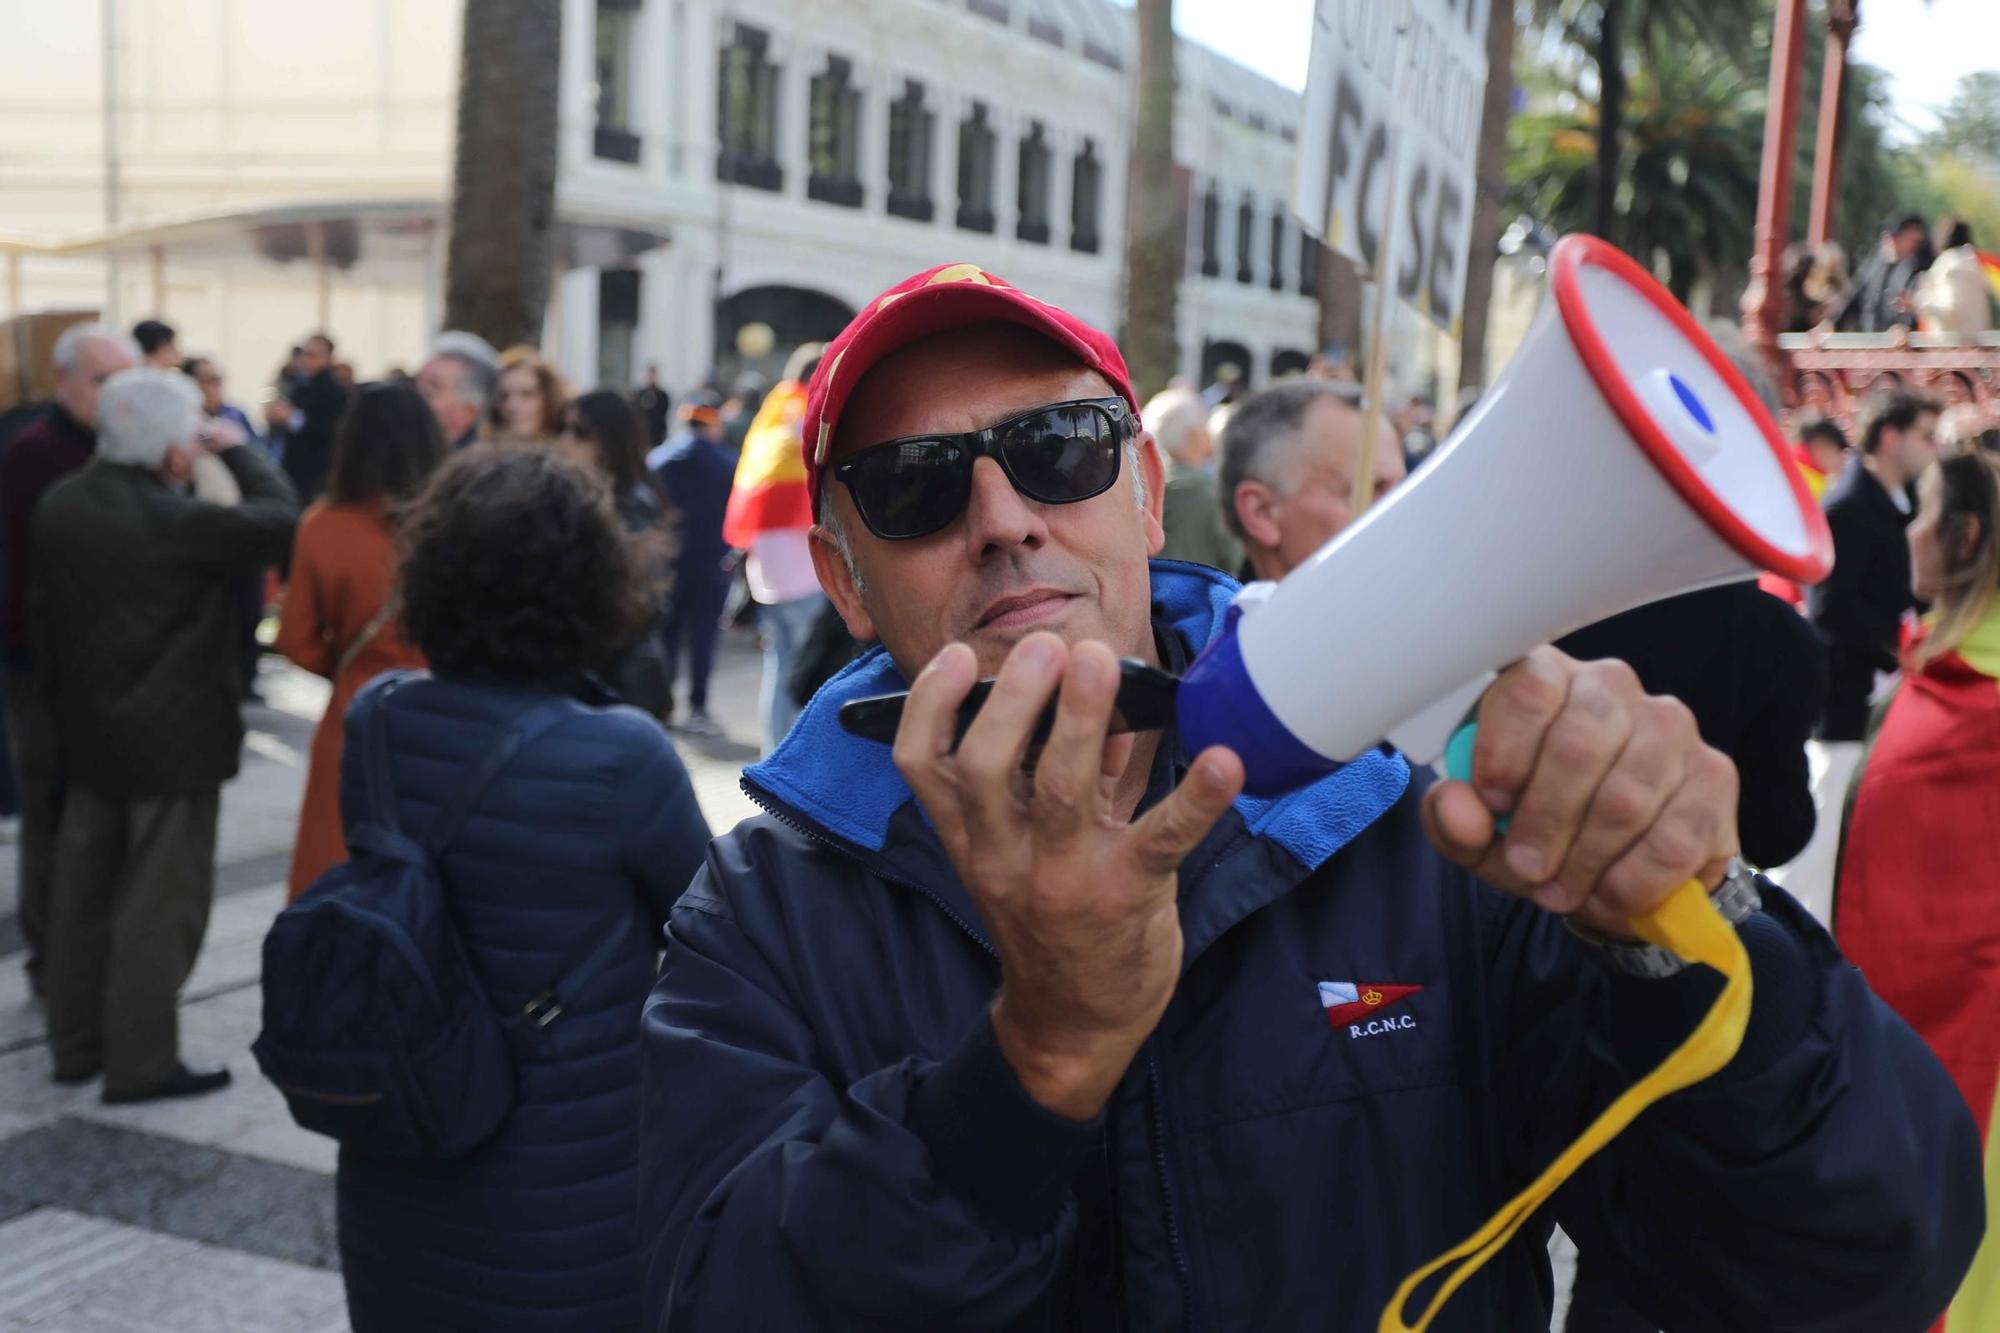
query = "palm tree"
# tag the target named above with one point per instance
(1686, 198)
(1606, 29)
(504, 170)
(1154, 222)
(1490, 193)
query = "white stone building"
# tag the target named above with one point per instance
(250, 169)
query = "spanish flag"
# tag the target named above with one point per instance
(1989, 264)
(769, 494)
(1918, 906)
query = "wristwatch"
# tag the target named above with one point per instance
(1736, 897)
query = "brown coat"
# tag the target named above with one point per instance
(343, 574)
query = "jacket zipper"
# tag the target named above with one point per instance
(1159, 1117)
(769, 805)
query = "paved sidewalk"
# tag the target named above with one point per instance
(216, 1215)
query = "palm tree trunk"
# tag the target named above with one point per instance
(1610, 116)
(1491, 192)
(504, 174)
(1155, 225)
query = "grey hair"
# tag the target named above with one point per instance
(1174, 415)
(829, 515)
(1259, 442)
(143, 412)
(69, 346)
(478, 363)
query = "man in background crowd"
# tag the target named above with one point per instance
(1883, 295)
(1191, 514)
(307, 413)
(1859, 609)
(135, 597)
(158, 344)
(653, 404)
(697, 474)
(1289, 455)
(42, 454)
(459, 380)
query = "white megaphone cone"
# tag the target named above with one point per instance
(1620, 459)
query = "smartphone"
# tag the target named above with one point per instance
(1145, 703)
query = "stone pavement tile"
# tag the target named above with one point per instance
(248, 1117)
(182, 1189)
(84, 1275)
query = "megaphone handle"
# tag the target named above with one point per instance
(1688, 924)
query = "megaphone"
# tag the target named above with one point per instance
(1621, 458)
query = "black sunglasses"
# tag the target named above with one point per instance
(1057, 455)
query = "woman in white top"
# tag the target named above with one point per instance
(1953, 295)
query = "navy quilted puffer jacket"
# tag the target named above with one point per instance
(592, 827)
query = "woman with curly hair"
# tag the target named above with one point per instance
(518, 581)
(527, 409)
(339, 619)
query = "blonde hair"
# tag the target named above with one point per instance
(1969, 494)
(554, 392)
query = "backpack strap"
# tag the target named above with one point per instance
(381, 832)
(547, 1006)
(518, 733)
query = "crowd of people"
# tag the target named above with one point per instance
(941, 1039)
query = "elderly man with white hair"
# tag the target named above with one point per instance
(133, 610)
(458, 381)
(1178, 419)
(59, 442)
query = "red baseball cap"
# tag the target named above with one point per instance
(949, 296)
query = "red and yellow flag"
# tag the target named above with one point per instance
(1989, 264)
(769, 494)
(1918, 907)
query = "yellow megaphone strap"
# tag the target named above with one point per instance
(1688, 924)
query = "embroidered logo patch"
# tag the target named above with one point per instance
(1359, 1003)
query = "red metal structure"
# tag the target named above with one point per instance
(1834, 371)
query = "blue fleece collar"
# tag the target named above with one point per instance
(850, 788)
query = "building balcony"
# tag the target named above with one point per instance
(844, 191)
(614, 143)
(908, 204)
(758, 173)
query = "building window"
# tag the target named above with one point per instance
(1211, 233)
(910, 154)
(1308, 264)
(748, 113)
(1086, 197)
(1278, 249)
(617, 318)
(835, 136)
(1034, 188)
(614, 138)
(975, 171)
(1246, 228)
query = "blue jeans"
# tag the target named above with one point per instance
(784, 626)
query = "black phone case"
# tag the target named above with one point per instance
(1145, 703)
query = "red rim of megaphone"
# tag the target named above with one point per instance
(1570, 255)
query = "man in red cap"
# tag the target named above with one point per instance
(976, 1037)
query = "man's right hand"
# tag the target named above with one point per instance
(1081, 903)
